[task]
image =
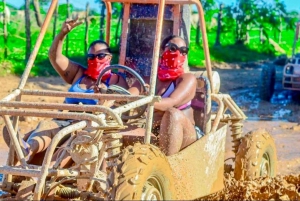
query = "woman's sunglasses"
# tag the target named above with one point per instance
(173, 48)
(99, 56)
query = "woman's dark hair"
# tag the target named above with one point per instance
(168, 38)
(100, 42)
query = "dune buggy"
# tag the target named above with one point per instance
(290, 76)
(141, 171)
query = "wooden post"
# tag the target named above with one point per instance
(87, 24)
(220, 15)
(55, 21)
(27, 29)
(67, 37)
(5, 29)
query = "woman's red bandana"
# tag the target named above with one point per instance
(95, 66)
(170, 65)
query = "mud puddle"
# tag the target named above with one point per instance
(278, 108)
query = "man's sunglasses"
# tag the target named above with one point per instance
(99, 56)
(173, 48)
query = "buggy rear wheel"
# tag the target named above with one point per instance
(256, 156)
(142, 173)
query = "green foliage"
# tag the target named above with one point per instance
(229, 51)
(42, 66)
(63, 9)
(2, 6)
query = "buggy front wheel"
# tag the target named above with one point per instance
(142, 173)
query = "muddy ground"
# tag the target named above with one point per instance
(280, 117)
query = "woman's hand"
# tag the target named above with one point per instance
(70, 24)
(101, 88)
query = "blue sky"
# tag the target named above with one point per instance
(291, 4)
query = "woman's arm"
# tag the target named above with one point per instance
(184, 92)
(66, 68)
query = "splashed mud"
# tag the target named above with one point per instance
(278, 188)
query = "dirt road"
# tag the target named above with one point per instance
(280, 117)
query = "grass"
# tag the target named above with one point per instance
(227, 52)
(231, 52)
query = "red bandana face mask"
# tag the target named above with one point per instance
(95, 66)
(170, 65)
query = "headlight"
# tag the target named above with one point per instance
(289, 70)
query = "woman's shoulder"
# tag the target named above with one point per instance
(78, 76)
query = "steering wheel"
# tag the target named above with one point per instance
(120, 90)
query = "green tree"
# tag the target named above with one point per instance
(210, 8)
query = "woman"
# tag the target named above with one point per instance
(82, 80)
(173, 116)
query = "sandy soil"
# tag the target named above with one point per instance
(280, 117)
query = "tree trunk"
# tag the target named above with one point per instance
(55, 21)
(198, 34)
(5, 29)
(118, 27)
(67, 37)
(27, 29)
(280, 31)
(247, 41)
(261, 39)
(87, 24)
(236, 31)
(218, 43)
(37, 12)
(102, 16)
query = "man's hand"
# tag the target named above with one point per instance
(70, 24)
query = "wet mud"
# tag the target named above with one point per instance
(278, 188)
(280, 117)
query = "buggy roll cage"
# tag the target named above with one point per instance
(11, 105)
(114, 113)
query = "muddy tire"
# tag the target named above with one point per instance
(268, 78)
(141, 173)
(256, 156)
